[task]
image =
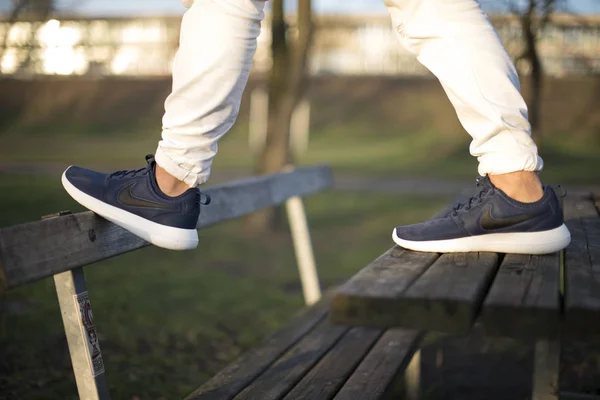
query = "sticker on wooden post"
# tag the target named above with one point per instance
(89, 333)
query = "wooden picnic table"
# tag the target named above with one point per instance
(543, 297)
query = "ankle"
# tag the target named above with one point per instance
(168, 184)
(523, 186)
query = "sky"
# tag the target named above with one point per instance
(157, 7)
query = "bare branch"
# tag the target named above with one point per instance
(18, 7)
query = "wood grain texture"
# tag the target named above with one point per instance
(327, 377)
(524, 299)
(448, 296)
(37, 250)
(41, 249)
(370, 298)
(238, 375)
(286, 372)
(242, 197)
(417, 290)
(3, 279)
(582, 269)
(577, 207)
(385, 362)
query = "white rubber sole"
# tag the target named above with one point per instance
(159, 235)
(543, 242)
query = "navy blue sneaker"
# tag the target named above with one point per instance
(133, 200)
(491, 221)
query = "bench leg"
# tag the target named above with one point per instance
(412, 377)
(304, 250)
(81, 335)
(545, 370)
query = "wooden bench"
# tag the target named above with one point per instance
(60, 245)
(309, 358)
(544, 298)
(313, 359)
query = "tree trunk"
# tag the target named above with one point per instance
(287, 83)
(274, 154)
(536, 73)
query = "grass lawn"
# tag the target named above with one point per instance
(348, 148)
(167, 321)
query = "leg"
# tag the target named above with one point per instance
(303, 249)
(210, 72)
(545, 370)
(511, 213)
(160, 203)
(412, 377)
(82, 338)
(455, 40)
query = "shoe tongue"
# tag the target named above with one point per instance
(152, 173)
(150, 160)
(151, 167)
(484, 182)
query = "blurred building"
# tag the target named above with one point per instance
(346, 45)
(96, 47)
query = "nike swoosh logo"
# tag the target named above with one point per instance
(127, 198)
(490, 223)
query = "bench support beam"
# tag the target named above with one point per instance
(545, 370)
(412, 377)
(82, 337)
(304, 251)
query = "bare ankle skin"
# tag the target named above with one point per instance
(523, 186)
(168, 184)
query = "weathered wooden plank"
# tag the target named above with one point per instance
(242, 197)
(3, 278)
(448, 296)
(577, 207)
(285, 373)
(546, 370)
(417, 290)
(582, 269)
(370, 298)
(327, 377)
(524, 299)
(238, 375)
(41, 249)
(385, 362)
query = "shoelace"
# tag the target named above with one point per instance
(133, 172)
(487, 187)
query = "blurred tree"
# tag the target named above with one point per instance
(36, 11)
(533, 15)
(17, 8)
(287, 83)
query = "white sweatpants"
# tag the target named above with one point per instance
(210, 72)
(454, 39)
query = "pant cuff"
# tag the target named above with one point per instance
(179, 171)
(496, 164)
